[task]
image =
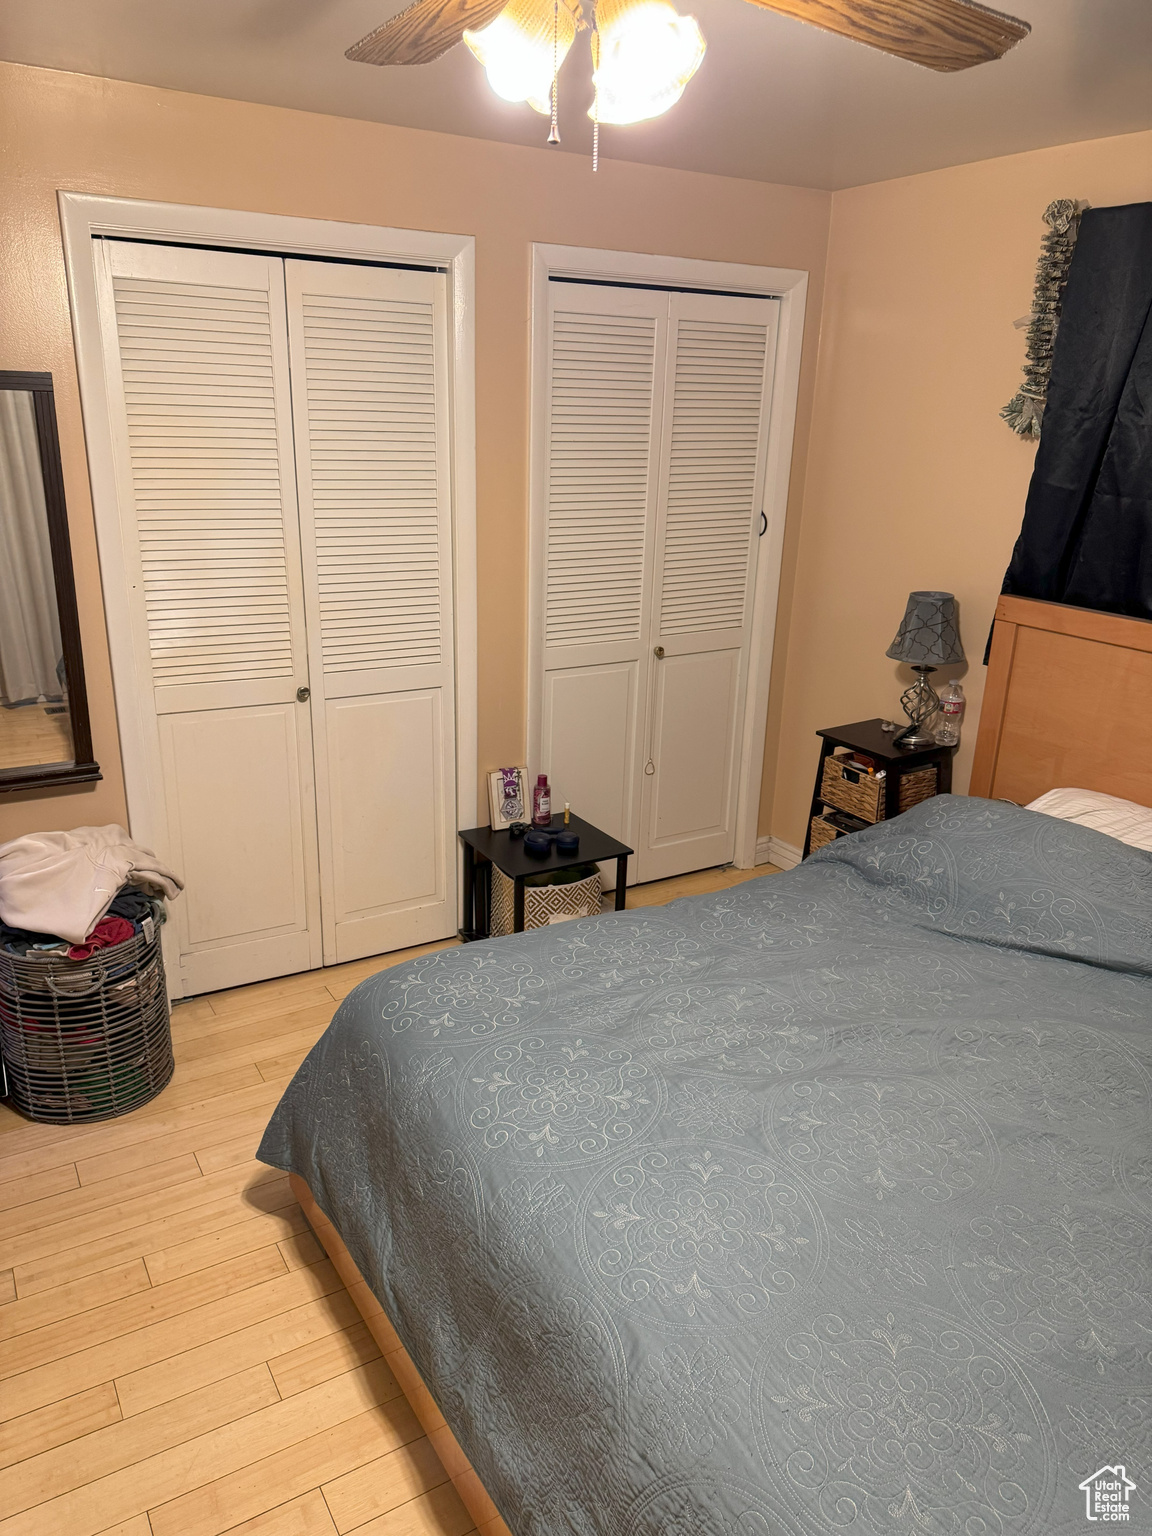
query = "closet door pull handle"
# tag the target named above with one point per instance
(658, 652)
(763, 525)
(303, 695)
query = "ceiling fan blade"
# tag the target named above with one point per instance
(424, 31)
(942, 34)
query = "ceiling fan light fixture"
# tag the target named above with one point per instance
(517, 50)
(645, 54)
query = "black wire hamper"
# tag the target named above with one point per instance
(85, 1039)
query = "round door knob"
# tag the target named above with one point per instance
(658, 652)
(303, 695)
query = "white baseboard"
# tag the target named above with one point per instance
(772, 850)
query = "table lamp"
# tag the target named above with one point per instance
(928, 637)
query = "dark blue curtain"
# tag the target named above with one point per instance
(1087, 533)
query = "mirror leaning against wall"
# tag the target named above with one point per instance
(45, 737)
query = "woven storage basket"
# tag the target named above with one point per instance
(85, 1039)
(543, 904)
(850, 789)
(918, 786)
(823, 832)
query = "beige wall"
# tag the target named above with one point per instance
(903, 475)
(912, 480)
(90, 135)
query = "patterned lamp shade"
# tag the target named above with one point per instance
(929, 634)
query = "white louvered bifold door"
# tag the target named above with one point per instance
(714, 442)
(649, 489)
(196, 360)
(369, 352)
(592, 549)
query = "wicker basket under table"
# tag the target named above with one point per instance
(823, 833)
(85, 1039)
(862, 794)
(543, 904)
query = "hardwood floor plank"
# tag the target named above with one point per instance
(281, 1331)
(238, 1000)
(85, 1199)
(133, 1313)
(40, 1479)
(274, 1196)
(252, 1010)
(380, 1485)
(299, 1252)
(192, 1088)
(65, 1301)
(137, 1526)
(33, 1433)
(323, 1358)
(283, 1068)
(242, 1236)
(220, 1120)
(142, 1128)
(21, 1249)
(251, 1051)
(439, 1512)
(37, 1186)
(346, 1406)
(238, 1149)
(159, 1341)
(18, 1135)
(186, 1009)
(242, 1036)
(302, 1517)
(7, 1286)
(260, 1485)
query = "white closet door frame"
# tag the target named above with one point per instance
(790, 286)
(83, 218)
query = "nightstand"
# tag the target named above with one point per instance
(845, 801)
(484, 847)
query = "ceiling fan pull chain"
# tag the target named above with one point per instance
(595, 42)
(554, 131)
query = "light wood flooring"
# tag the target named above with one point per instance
(30, 735)
(177, 1355)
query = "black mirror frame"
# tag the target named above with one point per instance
(83, 769)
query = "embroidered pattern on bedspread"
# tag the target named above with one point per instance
(822, 1204)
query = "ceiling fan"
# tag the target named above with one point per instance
(644, 52)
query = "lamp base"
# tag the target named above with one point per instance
(913, 738)
(920, 703)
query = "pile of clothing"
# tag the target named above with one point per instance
(72, 893)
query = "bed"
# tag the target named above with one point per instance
(819, 1204)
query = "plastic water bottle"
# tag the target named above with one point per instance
(952, 703)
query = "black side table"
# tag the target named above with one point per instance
(507, 853)
(866, 736)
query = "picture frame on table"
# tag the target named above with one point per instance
(508, 797)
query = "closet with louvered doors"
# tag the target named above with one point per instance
(655, 413)
(285, 504)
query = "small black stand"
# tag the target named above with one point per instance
(483, 848)
(866, 736)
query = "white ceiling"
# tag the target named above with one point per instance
(775, 100)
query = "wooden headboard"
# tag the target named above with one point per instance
(1067, 704)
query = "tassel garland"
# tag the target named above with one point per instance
(1024, 413)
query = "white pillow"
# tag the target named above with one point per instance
(1122, 819)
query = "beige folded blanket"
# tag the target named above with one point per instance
(64, 882)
